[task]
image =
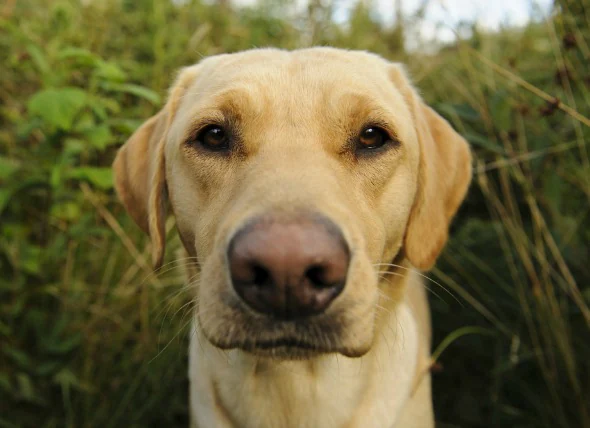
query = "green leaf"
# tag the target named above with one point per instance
(73, 147)
(80, 55)
(463, 111)
(103, 105)
(138, 91)
(99, 177)
(7, 167)
(66, 378)
(99, 111)
(84, 122)
(7, 192)
(25, 385)
(5, 383)
(58, 107)
(109, 71)
(99, 137)
(18, 356)
(48, 367)
(484, 143)
(56, 176)
(5, 329)
(65, 346)
(5, 196)
(30, 259)
(125, 126)
(66, 211)
(38, 58)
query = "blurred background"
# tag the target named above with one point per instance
(90, 337)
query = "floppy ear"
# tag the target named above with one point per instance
(140, 180)
(444, 176)
(140, 170)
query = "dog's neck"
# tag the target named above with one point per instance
(266, 392)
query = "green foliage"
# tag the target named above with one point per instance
(90, 337)
(57, 108)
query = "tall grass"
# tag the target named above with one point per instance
(89, 336)
(521, 98)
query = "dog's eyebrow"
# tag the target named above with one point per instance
(357, 105)
(229, 105)
(236, 105)
(235, 102)
(355, 110)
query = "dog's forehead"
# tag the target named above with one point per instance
(319, 68)
(304, 90)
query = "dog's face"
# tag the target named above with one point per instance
(292, 176)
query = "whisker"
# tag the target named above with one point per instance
(170, 341)
(179, 264)
(430, 290)
(183, 261)
(383, 308)
(190, 304)
(187, 286)
(423, 276)
(168, 300)
(190, 284)
(160, 272)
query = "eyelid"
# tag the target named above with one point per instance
(230, 126)
(386, 127)
(392, 142)
(391, 133)
(197, 127)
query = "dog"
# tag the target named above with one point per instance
(311, 186)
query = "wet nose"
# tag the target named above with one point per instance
(289, 268)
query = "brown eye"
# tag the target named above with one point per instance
(372, 137)
(213, 137)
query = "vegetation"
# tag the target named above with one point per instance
(90, 337)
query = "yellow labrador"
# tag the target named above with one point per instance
(308, 184)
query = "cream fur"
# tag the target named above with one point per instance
(331, 391)
(294, 115)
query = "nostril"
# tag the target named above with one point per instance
(261, 276)
(316, 274)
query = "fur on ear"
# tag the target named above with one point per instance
(140, 169)
(444, 177)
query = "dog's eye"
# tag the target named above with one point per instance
(372, 137)
(213, 137)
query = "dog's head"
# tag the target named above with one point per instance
(292, 176)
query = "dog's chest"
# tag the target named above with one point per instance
(232, 389)
(294, 395)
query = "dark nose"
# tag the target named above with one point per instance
(289, 268)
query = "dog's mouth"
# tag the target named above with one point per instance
(283, 347)
(287, 348)
(284, 343)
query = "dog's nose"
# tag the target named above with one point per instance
(289, 268)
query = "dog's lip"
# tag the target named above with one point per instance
(284, 343)
(289, 345)
(270, 344)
